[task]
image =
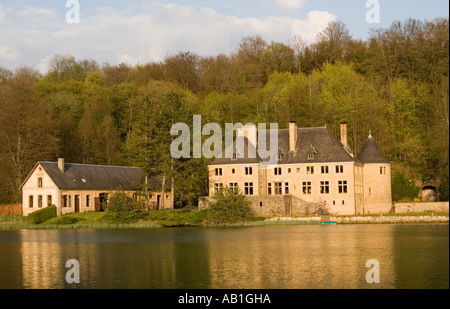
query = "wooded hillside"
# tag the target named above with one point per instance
(395, 84)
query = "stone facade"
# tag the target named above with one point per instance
(314, 167)
(377, 188)
(40, 190)
(272, 205)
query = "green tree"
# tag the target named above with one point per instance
(402, 188)
(230, 206)
(26, 132)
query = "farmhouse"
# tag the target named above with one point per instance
(313, 166)
(76, 188)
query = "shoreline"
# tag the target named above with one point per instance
(386, 219)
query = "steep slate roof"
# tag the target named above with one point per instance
(370, 153)
(241, 147)
(320, 141)
(81, 176)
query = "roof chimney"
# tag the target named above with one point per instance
(61, 164)
(293, 131)
(344, 140)
(250, 132)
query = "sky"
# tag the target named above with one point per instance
(138, 31)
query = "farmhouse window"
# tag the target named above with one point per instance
(307, 187)
(248, 188)
(342, 184)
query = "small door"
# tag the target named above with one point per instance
(278, 188)
(158, 201)
(103, 200)
(77, 203)
(97, 204)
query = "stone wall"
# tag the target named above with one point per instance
(442, 207)
(272, 205)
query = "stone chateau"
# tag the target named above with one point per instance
(313, 167)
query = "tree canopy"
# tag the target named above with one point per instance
(395, 84)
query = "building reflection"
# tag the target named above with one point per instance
(278, 257)
(104, 264)
(305, 259)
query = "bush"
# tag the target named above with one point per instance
(42, 215)
(231, 206)
(121, 202)
(402, 188)
(67, 220)
(132, 216)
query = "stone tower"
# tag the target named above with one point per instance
(376, 179)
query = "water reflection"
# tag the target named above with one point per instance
(298, 258)
(277, 257)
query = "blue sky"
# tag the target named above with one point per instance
(138, 31)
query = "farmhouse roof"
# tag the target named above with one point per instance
(82, 176)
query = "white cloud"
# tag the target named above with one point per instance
(291, 4)
(8, 53)
(43, 64)
(147, 33)
(2, 15)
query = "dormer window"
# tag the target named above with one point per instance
(311, 153)
(280, 154)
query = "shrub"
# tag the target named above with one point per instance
(42, 215)
(402, 188)
(121, 202)
(67, 220)
(231, 206)
(132, 216)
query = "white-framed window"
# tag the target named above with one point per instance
(307, 187)
(249, 171)
(324, 187)
(278, 188)
(342, 186)
(277, 171)
(234, 186)
(310, 170)
(218, 186)
(339, 169)
(325, 169)
(248, 188)
(218, 172)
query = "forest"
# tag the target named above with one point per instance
(395, 85)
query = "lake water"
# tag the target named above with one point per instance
(268, 257)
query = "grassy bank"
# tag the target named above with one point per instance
(187, 218)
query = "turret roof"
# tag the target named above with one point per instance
(370, 153)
